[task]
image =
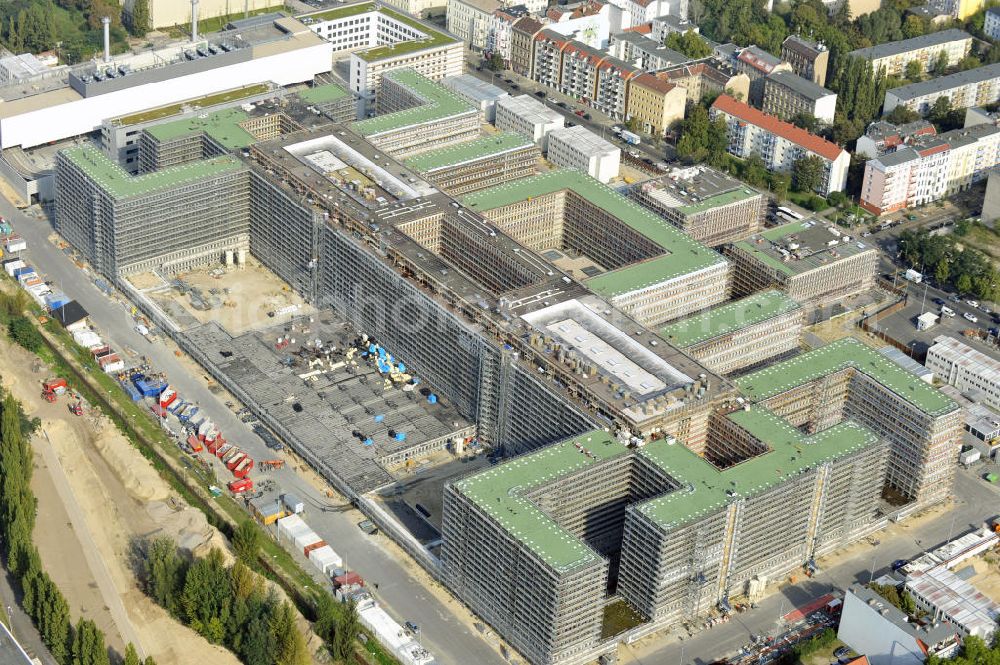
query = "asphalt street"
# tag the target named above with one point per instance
(403, 596)
(975, 502)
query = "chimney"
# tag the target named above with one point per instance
(107, 38)
(194, 20)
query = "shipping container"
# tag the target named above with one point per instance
(195, 444)
(234, 461)
(305, 539)
(313, 546)
(348, 579)
(293, 503)
(223, 448)
(241, 485)
(325, 559)
(244, 468)
(287, 524)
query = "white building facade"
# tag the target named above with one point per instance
(528, 117)
(579, 148)
(966, 368)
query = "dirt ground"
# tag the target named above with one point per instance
(247, 295)
(987, 577)
(121, 498)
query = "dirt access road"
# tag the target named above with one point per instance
(96, 496)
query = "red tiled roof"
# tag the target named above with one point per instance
(642, 28)
(934, 149)
(589, 54)
(785, 130)
(548, 35)
(527, 25)
(653, 83)
(860, 660)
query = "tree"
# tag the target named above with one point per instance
(808, 173)
(963, 283)
(495, 63)
(940, 63)
(717, 143)
(754, 171)
(246, 542)
(806, 121)
(138, 23)
(913, 26)
(914, 70)
(693, 144)
(939, 110)
(941, 272)
(207, 596)
(88, 645)
(131, 655)
(24, 333)
(780, 182)
(164, 574)
(900, 115)
(689, 43)
(290, 646)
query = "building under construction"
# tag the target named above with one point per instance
(486, 162)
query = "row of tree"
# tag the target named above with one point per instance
(83, 644)
(228, 605)
(967, 269)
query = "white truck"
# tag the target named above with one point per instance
(913, 276)
(630, 138)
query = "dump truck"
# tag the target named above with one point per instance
(240, 485)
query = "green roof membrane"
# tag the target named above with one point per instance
(323, 94)
(340, 12)
(223, 126)
(439, 103)
(728, 318)
(723, 199)
(683, 255)
(119, 185)
(843, 354)
(434, 38)
(460, 153)
(499, 492)
(705, 489)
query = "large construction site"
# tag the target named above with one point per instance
(520, 320)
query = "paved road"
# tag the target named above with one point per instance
(975, 502)
(102, 577)
(450, 640)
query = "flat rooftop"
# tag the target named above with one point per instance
(944, 83)
(906, 45)
(222, 126)
(432, 36)
(531, 110)
(802, 246)
(439, 103)
(844, 354)
(323, 94)
(120, 185)
(583, 141)
(207, 101)
(728, 318)
(696, 189)
(682, 255)
(482, 148)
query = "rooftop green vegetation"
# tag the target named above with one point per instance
(499, 492)
(839, 355)
(682, 255)
(120, 185)
(433, 39)
(470, 151)
(340, 12)
(323, 94)
(762, 247)
(439, 102)
(728, 318)
(721, 199)
(200, 102)
(222, 126)
(706, 489)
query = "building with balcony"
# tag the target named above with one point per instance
(471, 21)
(893, 57)
(973, 87)
(614, 78)
(522, 45)
(578, 76)
(882, 137)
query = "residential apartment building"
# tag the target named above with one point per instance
(662, 26)
(929, 168)
(614, 82)
(708, 77)
(966, 368)
(381, 40)
(638, 12)
(655, 103)
(590, 22)
(779, 144)
(925, 49)
(528, 117)
(757, 64)
(522, 45)
(787, 95)
(811, 261)
(578, 75)
(710, 206)
(644, 266)
(486, 162)
(471, 21)
(500, 35)
(547, 54)
(644, 53)
(417, 115)
(973, 87)
(808, 59)
(882, 137)
(581, 149)
(991, 23)
(740, 334)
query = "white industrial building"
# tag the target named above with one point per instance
(480, 93)
(391, 635)
(528, 117)
(967, 369)
(581, 149)
(280, 50)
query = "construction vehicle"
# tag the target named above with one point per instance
(52, 388)
(240, 485)
(76, 408)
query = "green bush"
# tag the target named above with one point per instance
(24, 333)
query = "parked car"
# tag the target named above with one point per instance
(586, 116)
(947, 311)
(938, 301)
(972, 303)
(412, 627)
(539, 93)
(561, 105)
(954, 298)
(971, 317)
(897, 564)
(578, 112)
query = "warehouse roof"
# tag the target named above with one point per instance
(119, 185)
(222, 126)
(728, 318)
(439, 103)
(801, 246)
(844, 354)
(907, 45)
(681, 256)
(485, 147)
